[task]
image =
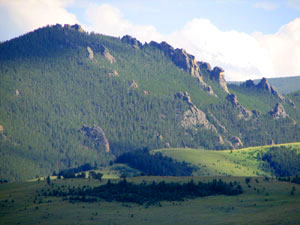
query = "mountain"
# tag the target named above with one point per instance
(68, 97)
(283, 85)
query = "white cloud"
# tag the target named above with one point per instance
(266, 5)
(283, 48)
(238, 53)
(108, 20)
(20, 16)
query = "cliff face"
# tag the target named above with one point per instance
(194, 117)
(217, 74)
(184, 61)
(278, 111)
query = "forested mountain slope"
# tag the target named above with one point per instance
(68, 97)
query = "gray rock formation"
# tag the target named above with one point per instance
(217, 74)
(97, 135)
(249, 84)
(265, 86)
(205, 66)
(132, 41)
(243, 112)
(76, 27)
(278, 112)
(104, 51)
(194, 118)
(90, 53)
(184, 61)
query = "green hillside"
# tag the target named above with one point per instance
(241, 162)
(68, 97)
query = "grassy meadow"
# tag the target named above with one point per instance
(240, 162)
(263, 202)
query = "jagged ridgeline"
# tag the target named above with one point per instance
(68, 97)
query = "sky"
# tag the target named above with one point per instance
(249, 39)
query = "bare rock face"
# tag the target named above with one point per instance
(90, 53)
(185, 96)
(206, 66)
(104, 51)
(250, 84)
(194, 118)
(278, 112)
(132, 41)
(217, 75)
(132, 84)
(97, 135)
(245, 113)
(76, 27)
(184, 61)
(236, 142)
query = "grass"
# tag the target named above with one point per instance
(241, 162)
(272, 204)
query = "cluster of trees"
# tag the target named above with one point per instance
(284, 161)
(71, 172)
(155, 164)
(295, 180)
(152, 193)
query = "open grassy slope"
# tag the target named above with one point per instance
(241, 162)
(264, 202)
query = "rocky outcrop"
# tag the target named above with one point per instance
(97, 135)
(184, 61)
(278, 112)
(104, 51)
(90, 53)
(249, 84)
(205, 66)
(76, 27)
(217, 74)
(132, 84)
(263, 85)
(194, 118)
(132, 41)
(243, 112)
(236, 142)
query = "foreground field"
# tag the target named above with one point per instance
(241, 162)
(264, 201)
